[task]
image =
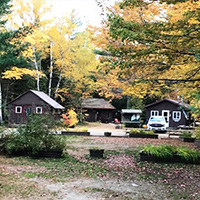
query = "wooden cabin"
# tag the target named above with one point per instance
(32, 102)
(97, 109)
(176, 113)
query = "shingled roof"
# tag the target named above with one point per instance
(178, 103)
(96, 103)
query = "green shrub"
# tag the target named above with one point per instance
(196, 133)
(186, 135)
(134, 131)
(188, 155)
(84, 129)
(163, 151)
(166, 152)
(141, 131)
(147, 131)
(34, 137)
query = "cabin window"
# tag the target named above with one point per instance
(154, 113)
(18, 109)
(38, 110)
(176, 116)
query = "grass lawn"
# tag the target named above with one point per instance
(119, 175)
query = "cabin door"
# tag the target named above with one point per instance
(27, 112)
(165, 114)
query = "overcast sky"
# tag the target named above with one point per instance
(87, 10)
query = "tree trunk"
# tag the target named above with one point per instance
(58, 84)
(36, 68)
(60, 77)
(51, 67)
(1, 115)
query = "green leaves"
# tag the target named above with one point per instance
(4, 8)
(156, 41)
(167, 152)
(34, 137)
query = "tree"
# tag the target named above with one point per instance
(32, 13)
(63, 48)
(11, 47)
(157, 48)
(113, 81)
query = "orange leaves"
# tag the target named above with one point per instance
(70, 118)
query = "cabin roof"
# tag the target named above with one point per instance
(96, 103)
(176, 102)
(43, 97)
(47, 99)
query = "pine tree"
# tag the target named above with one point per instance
(10, 47)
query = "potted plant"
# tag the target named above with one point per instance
(78, 132)
(196, 135)
(35, 139)
(141, 133)
(167, 153)
(186, 137)
(107, 134)
(96, 152)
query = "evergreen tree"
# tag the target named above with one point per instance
(10, 48)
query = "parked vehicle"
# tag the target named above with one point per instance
(157, 123)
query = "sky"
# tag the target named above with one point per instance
(87, 10)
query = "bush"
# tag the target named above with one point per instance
(147, 131)
(134, 131)
(196, 133)
(34, 137)
(186, 135)
(188, 155)
(166, 152)
(69, 119)
(84, 129)
(141, 131)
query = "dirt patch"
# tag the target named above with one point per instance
(99, 189)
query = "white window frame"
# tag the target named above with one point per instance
(154, 113)
(16, 109)
(176, 116)
(36, 110)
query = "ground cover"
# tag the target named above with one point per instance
(119, 175)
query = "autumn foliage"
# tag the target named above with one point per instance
(151, 49)
(69, 119)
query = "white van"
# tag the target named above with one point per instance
(157, 123)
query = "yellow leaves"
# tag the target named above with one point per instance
(18, 73)
(99, 36)
(176, 12)
(137, 90)
(70, 118)
(193, 21)
(30, 11)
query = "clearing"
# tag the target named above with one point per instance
(118, 176)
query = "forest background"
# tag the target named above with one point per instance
(143, 51)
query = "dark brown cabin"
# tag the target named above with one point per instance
(97, 109)
(176, 113)
(32, 102)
